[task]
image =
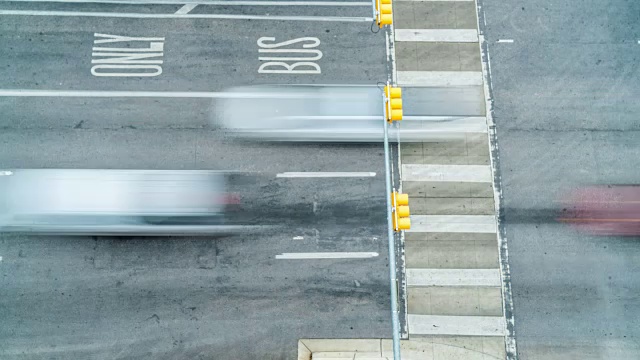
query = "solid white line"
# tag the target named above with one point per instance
(437, 35)
(456, 325)
(150, 94)
(453, 224)
(186, 8)
(208, 2)
(327, 255)
(325, 174)
(448, 173)
(505, 40)
(186, 16)
(454, 277)
(438, 0)
(439, 78)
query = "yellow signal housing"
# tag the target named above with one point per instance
(393, 106)
(384, 12)
(401, 215)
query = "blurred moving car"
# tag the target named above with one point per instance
(313, 113)
(115, 202)
(604, 210)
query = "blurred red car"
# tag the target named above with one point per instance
(604, 210)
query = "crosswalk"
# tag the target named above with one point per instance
(452, 257)
(452, 263)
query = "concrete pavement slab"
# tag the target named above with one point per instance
(451, 254)
(439, 56)
(444, 101)
(456, 325)
(437, 35)
(447, 160)
(454, 277)
(457, 301)
(418, 348)
(439, 78)
(420, 189)
(453, 206)
(451, 348)
(447, 173)
(449, 236)
(453, 223)
(435, 15)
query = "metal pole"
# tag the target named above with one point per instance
(392, 249)
(373, 9)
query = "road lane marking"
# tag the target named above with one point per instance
(282, 62)
(439, 78)
(298, 238)
(325, 174)
(456, 325)
(186, 8)
(208, 2)
(184, 16)
(505, 40)
(150, 94)
(127, 62)
(457, 124)
(437, 35)
(327, 255)
(448, 173)
(453, 224)
(454, 277)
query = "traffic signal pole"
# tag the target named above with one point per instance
(395, 321)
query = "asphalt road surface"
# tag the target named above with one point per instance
(187, 298)
(566, 107)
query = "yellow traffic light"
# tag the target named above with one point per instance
(401, 214)
(384, 12)
(393, 97)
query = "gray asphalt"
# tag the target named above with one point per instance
(185, 298)
(566, 108)
(199, 54)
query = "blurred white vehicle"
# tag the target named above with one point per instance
(312, 113)
(114, 202)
